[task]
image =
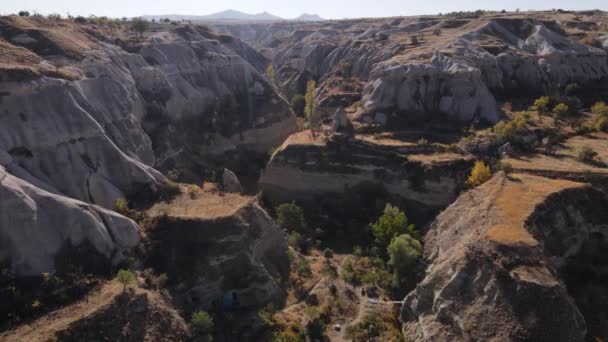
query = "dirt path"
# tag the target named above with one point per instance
(45, 327)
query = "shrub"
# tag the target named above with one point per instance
(479, 174)
(392, 223)
(572, 89)
(587, 154)
(54, 16)
(328, 253)
(423, 141)
(125, 277)
(290, 216)
(294, 239)
(270, 73)
(298, 103)
(303, 269)
(139, 25)
(121, 206)
(370, 328)
(315, 329)
(506, 167)
(80, 20)
(346, 69)
(600, 123)
(414, 40)
(600, 109)
(202, 324)
(286, 336)
(168, 190)
(505, 130)
(193, 191)
(560, 110)
(542, 105)
(24, 13)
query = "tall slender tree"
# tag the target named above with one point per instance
(309, 110)
(271, 74)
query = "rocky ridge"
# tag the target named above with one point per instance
(506, 261)
(308, 169)
(427, 65)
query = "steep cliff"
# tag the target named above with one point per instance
(218, 248)
(88, 111)
(459, 66)
(507, 261)
(308, 169)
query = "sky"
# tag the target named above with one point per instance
(329, 9)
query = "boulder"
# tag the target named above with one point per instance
(231, 182)
(341, 124)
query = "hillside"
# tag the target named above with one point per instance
(248, 178)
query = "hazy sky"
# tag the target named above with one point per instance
(326, 8)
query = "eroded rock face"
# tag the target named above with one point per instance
(238, 256)
(306, 168)
(428, 65)
(500, 262)
(440, 86)
(84, 119)
(35, 225)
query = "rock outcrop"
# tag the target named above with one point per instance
(220, 250)
(87, 113)
(231, 182)
(515, 259)
(108, 314)
(37, 225)
(434, 64)
(306, 168)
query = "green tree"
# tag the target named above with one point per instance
(139, 25)
(370, 329)
(404, 252)
(392, 223)
(294, 239)
(480, 174)
(125, 277)
(298, 104)
(303, 269)
(202, 325)
(290, 216)
(286, 336)
(542, 105)
(271, 74)
(309, 110)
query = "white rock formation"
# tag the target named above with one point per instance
(95, 136)
(231, 182)
(36, 224)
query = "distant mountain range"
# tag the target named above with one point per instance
(233, 15)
